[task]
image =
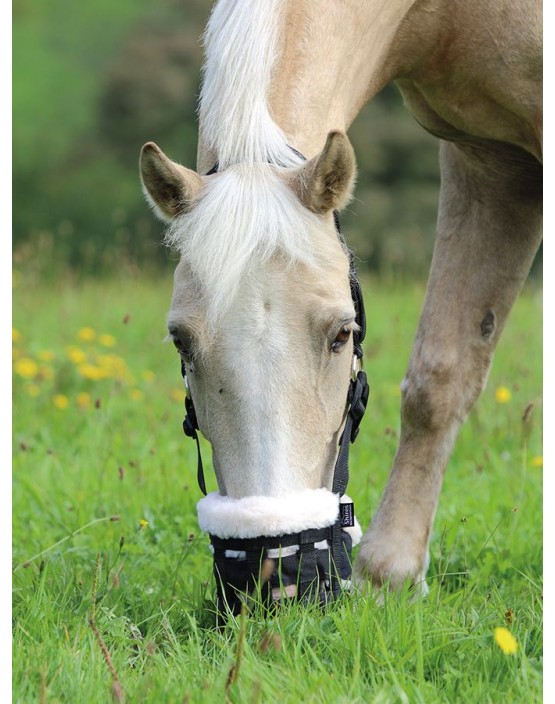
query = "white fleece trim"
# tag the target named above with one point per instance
(253, 516)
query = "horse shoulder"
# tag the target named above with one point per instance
(479, 73)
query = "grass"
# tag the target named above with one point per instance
(108, 562)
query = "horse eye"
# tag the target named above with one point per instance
(181, 343)
(179, 346)
(341, 339)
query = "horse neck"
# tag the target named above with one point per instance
(334, 58)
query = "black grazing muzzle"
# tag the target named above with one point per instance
(313, 564)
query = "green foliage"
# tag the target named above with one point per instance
(93, 82)
(87, 477)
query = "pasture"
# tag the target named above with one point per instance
(101, 468)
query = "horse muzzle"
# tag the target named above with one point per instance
(303, 553)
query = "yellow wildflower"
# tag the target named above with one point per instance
(60, 401)
(537, 461)
(46, 356)
(136, 395)
(107, 340)
(177, 394)
(502, 394)
(89, 371)
(148, 375)
(26, 367)
(16, 335)
(83, 399)
(113, 366)
(143, 523)
(505, 640)
(86, 334)
(32, 390)
(75, 354)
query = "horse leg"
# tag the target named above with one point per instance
(489, 228)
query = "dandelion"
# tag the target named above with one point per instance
(502, 394)
(60, 401)
(143, 523)
(107, 340)
(26, 368)
(46, 356)
(114, 366)
(136, 395)
(505, 640)
(148, 376)
(83, 399)
(75, 354)
(537, 461)
(86, 334)
(32, 390)
(177, 394)
(16, 335)
(89, 371)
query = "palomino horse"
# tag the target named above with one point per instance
(262, 312)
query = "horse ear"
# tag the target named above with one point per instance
(326, 182)
(170, 188)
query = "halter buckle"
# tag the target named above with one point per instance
(355, 367)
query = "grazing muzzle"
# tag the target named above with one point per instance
(305, 551)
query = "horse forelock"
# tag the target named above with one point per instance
(242, 46)
(245, 216)
(246, 213)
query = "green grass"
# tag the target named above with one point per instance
(83, 478)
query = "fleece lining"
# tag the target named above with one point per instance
(255, 516)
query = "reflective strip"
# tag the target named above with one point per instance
(236, 554)
(276, 553)
(232, 554)
(273, 553)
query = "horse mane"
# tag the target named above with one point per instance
(241, 45)
(246, 213)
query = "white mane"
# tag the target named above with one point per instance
(241, 42)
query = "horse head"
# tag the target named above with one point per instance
(263, 318)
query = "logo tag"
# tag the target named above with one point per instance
(347, 515)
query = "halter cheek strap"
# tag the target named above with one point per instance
(190, 427)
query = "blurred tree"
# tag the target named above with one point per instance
(151, 92)
(92, 83)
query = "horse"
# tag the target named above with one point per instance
(263, 313)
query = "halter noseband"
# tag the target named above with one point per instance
(320, 565)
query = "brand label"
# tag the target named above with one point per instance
(347, 515)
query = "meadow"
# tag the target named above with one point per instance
(113, 597)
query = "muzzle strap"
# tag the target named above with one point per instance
(301, 565)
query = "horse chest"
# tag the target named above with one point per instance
(451, 115)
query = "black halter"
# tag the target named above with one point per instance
(316, 572)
